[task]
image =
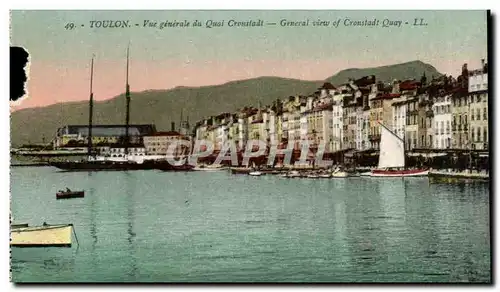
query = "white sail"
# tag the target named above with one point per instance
(392, 151)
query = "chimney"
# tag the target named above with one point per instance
(173, 126)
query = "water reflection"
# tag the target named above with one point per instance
(130, 191)
(93, 225)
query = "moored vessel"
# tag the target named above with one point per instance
(166, 166)
(392, 157)
(210, 168)
(41, 236)
(339, 173)
(458, 176)
(240, 170)
(256, 173)
(68, 194)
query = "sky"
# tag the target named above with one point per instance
(197, 56)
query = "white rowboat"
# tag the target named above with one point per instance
(41, 236)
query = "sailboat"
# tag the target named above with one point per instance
(93, 162)
(392, 157)
(21, 235)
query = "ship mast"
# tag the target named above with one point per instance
(127, 116)
(180, 123)
(91, 108)
(404, 146)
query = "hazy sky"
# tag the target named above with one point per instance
(194, 56)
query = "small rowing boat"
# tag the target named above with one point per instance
(294, 173)
(68, 194)
(210, 168)
(21, 235)
(255, 173)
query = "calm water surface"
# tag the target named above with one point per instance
(149, 226)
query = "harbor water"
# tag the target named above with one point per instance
(152, 226)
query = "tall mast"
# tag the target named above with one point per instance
(127, 116)
(404, 144)
(181, 123)
(91, 107)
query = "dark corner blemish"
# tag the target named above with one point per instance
(18, 61)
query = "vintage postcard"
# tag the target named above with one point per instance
(247, 146)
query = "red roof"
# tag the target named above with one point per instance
(387, 96)
(327, 85)
(408, 85)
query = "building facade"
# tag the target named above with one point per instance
(478, 96)
(159, 143)
(442, 122)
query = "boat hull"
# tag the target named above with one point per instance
(399, 173)
(340, 174)
(239, 170)
(100, 166)
(69, 195)
(458, 176)
(119, 166)
(169, 167)
(255, 173)
(41, 236)
(209, 169)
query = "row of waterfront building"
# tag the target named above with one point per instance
(443, 113)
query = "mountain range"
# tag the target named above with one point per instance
(161, 107)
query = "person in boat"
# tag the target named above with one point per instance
(68, 190)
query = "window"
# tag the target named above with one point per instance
(485, 135)
(478, 114)
(478, 98)
(472, 115)
(465, 119)
(485, 113)
(441, 131)
(473, 134)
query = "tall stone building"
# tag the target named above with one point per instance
(478, 96)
